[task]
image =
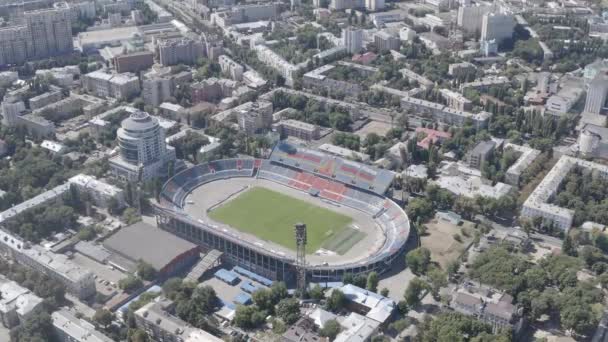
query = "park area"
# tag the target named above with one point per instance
(271, 216)
(447, 241)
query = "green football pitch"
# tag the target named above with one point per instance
(271, 216)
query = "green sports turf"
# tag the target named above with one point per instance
(271, 216)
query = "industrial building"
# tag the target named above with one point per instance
(167, 253)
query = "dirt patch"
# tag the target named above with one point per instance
(440, 239)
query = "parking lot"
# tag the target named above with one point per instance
(107, 279)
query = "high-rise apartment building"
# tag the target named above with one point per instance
(497, 26)
(182, 50)
(43, 33)
(353, 39)
(597, 93)
(470, 17)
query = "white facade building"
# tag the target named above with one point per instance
(143, 151)
(104, 84)
(352, 39)
(596, 94)
(69, 328)
(537, 204)
(470, 17)
(182, 50)
(232, 68)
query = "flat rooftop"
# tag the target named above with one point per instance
(148, 243)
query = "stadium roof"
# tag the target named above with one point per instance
(148, 243)
(355, 174)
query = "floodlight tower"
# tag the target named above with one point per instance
(300, 229)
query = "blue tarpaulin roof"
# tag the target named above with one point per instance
(253, 276)
(249, 287)
(242, 298)
(227, 276)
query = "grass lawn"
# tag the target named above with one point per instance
(271, 216)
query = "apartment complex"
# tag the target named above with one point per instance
(352, 39)
(179, 50)
(231, 68)
(104, 84)
(16, 303)
(157, 321)
(297, 129)
(444, 113)
(497, 26)
(527, 155)
(537, 204)
(69, 328)
(44, 33)
(597, 93)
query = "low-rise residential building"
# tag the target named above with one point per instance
(255, 116)
(297, 129)
(69, 328)
(443, 113)
(488, 305)
(105, 84)
(44, 99)
(320, 78)
(480, 153)
(231, 68)
(101, 193)
(431, 137)
(456, 100)
(461, 69)
(273, 60)
(527, 155)
(133, 62)
(537, 204)
(179, 50)
(16, 303)
(344, 152)
(212, 89)
(369, 304)
(384, 41)
(157, 321)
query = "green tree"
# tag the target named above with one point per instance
(130, 283)
(384, 292)
(437, 280)
(331, 329)
(316, 292)
(137, 335)
(336, 301)
(146, 271)
(372, 282)
(248, 317)
(278, 291)
(288, 310)
(264, 300)
(413, 291)
(418, 260)
(103, 317)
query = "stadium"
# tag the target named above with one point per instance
(246, 209)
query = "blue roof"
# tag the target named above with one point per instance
(253, 276)
(227, 276)
(249, 287)
(242, 298)
(152, 289)
(229, 305)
